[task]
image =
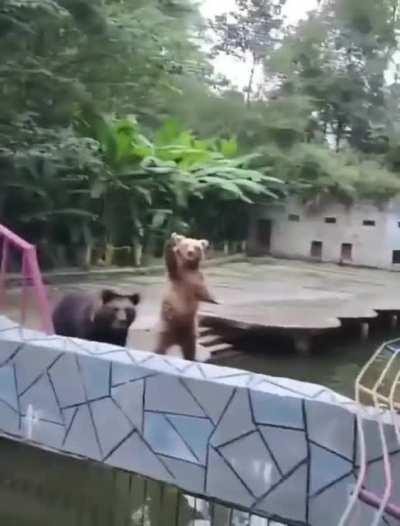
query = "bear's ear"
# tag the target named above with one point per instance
(177, 238)
(205, 245)
(108, 295)
(135, 298)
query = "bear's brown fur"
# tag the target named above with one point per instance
(186, 289)
(82, 315)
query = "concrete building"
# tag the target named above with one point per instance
(362, 234)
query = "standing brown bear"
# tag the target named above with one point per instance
(186, 289)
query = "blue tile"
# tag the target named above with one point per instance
(118, 356)
(6, 323)
(326, 468)
(68, 415)
(375, 479)
(165, 364)
(31, 363)
(165, 393)
(331, 426)
(189, 477)
(250, 459)
(373, 441)
(129, 398)
(111, 424)
(213, 400)
(288, 500)
(236, 420)
(7, 349)
(81, 438)
(162, 437)
(328, 507)
(41, 399)
(277, 410)
(124, 372)
(95, 376)
(8, 391)
(134, 455)
(9, 420)
(67, 381)
(224, 484)
(43, 433)
(288, 447)
(195, 432)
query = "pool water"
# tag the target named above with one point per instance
(335, 361)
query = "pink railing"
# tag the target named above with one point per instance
(382, 393)
(30, 276)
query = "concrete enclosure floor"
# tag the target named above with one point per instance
(274, 293)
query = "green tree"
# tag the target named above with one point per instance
(251, 31)
(338, 58)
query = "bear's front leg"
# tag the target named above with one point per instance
(170, 260)
(204, 295)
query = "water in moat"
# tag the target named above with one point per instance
(334, 362)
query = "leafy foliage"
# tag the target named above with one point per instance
(154, 183)
(114, 129)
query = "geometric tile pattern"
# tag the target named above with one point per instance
(278, 448)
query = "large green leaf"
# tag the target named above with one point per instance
(229, 147)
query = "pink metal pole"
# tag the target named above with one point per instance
(25, 282)
(14, 239)
(34, 271)
(30, 273)
(3, 271)
(375, 501)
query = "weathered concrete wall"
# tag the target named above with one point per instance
(279, 448)
(372, 245)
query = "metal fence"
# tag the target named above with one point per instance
(38, 488)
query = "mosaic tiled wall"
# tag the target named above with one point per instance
(280, 448)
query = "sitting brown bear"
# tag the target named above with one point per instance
(80, 315)
(186, 289)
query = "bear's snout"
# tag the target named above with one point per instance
(120, 315)
(123, 317)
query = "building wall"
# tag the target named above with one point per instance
(294, 228)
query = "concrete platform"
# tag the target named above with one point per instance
(270, 293)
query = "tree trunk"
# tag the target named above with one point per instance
(339, 131)
(251, 80)
(137, 249)
(109, 255)
(88, 256)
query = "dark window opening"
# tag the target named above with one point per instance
(368, 222)
(346, 253)
(398, 224)
(264, 228)
(330, 220)
(396, 257)
(294, 217)
(316, 249)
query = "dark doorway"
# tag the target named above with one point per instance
(316, 250)
(396, 257)
(346, 252)
(264, 229)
